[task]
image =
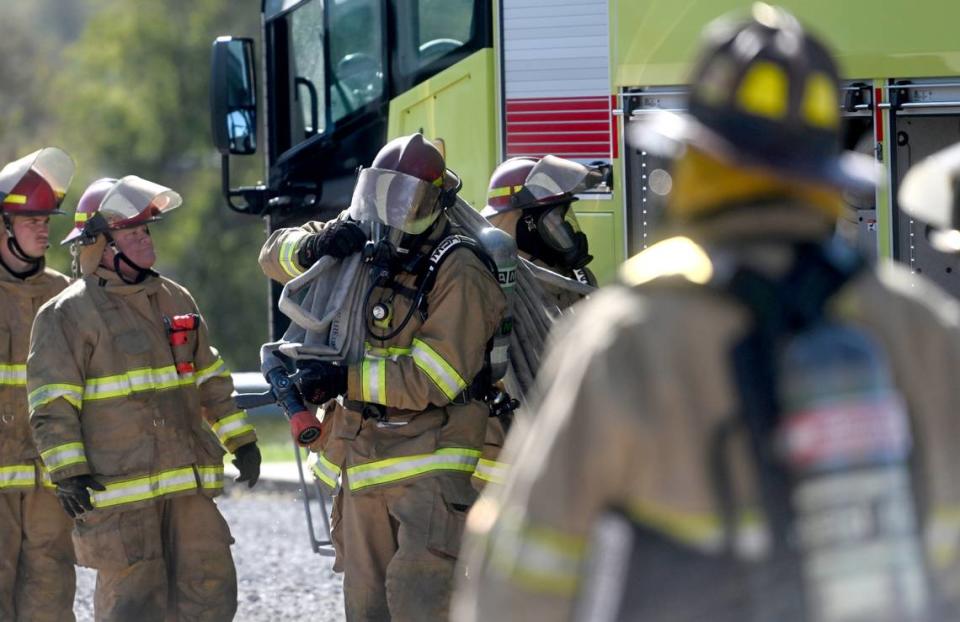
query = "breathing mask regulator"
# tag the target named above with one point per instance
(552, 234)
(402, 212)
(33, 186)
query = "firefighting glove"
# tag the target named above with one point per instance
(74, 495)
(339, 239)
(247, 462)
(321, 381)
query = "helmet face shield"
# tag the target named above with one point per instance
(52, 165)
(132, 201)
(552, 177)
(399, 201)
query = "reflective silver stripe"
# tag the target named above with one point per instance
(539, 558)
(231, 426)
(45, 394)
(287, 254)
(136, 380)
(211, 477)
(440, 371)
(18, 476)
(145, 488)
(15, 375)
(376, 380)
(395, 469)
(219, 368)
(326, 471)
(63, 455)
(491, 471)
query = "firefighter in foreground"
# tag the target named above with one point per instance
(753, 424)
(131, 408)
(531, 199)
(37, 579)
(407, 431)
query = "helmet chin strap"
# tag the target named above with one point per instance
(14, 246)
(119, 257)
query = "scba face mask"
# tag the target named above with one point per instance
(552, 234)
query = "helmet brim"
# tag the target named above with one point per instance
(667, 134)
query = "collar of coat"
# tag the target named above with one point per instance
(111, 281)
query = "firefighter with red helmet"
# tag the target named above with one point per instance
(37, 578)
(725, 434)
(531, 199)
(132, 412)
(407, 428)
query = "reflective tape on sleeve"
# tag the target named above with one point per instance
(491, 471)
(45, 394)
(217, 370)
(397, 469)
(374, 380)
(287, 255)
(62, 456)
(231, 426)
(440, 371)
(538, 558)
(145, 488)
(17, 476)
(211, 477)
(324, 470)
(13, 375)
(135, 381)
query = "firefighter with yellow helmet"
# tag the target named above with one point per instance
(131, 409)
(754, 423)
(37, 579)
(406, 432)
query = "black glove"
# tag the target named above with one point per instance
(321, 381)
(340, 239)
(74, 496)
(247, 462)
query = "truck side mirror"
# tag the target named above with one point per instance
(233, 96)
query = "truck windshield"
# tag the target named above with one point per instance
(325, 92)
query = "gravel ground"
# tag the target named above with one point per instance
(280, 578)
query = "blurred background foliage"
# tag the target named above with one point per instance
(123, 87)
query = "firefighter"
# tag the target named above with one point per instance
(407, 431)
(131, 410)
(37, 578)
(531, 199)
(644, 495)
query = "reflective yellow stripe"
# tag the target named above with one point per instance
(62, 456)
(80, 217)
(324, 470)
(45, 480)
(13, 375)
(538, 558)
(17, 476)
(391, 352)
(135, 381)
(503, 191)
(287, 255)
(211, 477)
(374, 380)
(441, 372)
(40, 396)
(231, 426)
(396, 469)
(491, 471)
(217, 369)
(144, 488)
(19, 199)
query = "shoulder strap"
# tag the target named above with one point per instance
(427, 277)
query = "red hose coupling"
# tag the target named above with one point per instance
(305, 427)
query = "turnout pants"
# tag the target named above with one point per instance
(166, 562)
(37, 578)
(397, 547)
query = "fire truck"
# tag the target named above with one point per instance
(333, 80)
